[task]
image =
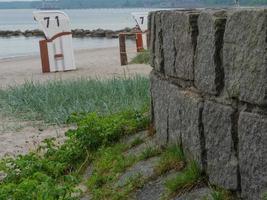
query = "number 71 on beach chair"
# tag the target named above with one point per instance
(57, 49)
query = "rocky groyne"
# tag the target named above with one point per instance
(77, 33)
(209, 92)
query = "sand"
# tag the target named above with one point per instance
(102, 63)
(19, 137)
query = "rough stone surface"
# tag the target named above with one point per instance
(186, 32)
(168, 34)
(145, 169)
(222, 164)
(198, 194)
(150, 142)
(204, 56)
(155, 189)
(152, 34)
(244, 56)
(177, 116)
(159, 92)
(180, 43)
(158, 57)
(252, 130)
(209, 73)
(184, 120)
(143, 135)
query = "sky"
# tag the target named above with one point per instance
(15, 0)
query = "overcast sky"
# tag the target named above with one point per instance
(16, 0)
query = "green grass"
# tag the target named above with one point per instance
(54, 101)
(190, 176)
(149, 152)
(137, 141)
(171, 158)
(109, 164)
(220, 194)
(141, 58)
(53, 172)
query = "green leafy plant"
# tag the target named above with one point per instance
(101, 130)
(52, 173)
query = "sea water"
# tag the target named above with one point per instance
(22, 19)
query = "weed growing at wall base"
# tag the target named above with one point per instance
(54, 101)
(172, 158)
(221, 194)
(189, 177)
(141, 58)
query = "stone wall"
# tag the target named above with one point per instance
(209, 92)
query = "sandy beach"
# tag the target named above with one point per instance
(100, 63)
(19, 137)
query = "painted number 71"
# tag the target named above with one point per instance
(47, 19)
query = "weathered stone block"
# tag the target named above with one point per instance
(157, 53)
(179, 31)
(169, 51)
(222, 164)
(209, 73)
(177, 115)
(184, 120)
(252, 130)
(244, 56)
(160, 100)
(151, 38)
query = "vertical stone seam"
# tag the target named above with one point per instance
(152, 117)
(161, 45)
(235, 139)
(265, 99)
(152, 43)
(193, 20)
(174, 51)
(168, 116)
(218, 55)
(202, 139)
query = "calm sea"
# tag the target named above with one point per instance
(113, 19)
